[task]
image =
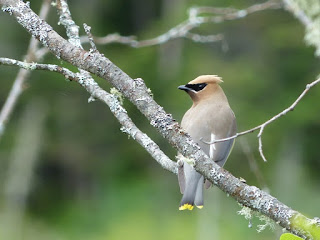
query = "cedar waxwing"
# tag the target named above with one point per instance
(210, 118)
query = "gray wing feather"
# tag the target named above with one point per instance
(181, 178)
(198, 201)
(222, 154)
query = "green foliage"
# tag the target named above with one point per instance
(311, 227)
(289, 236)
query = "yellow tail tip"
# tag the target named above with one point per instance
(200, 207)
(186, 206)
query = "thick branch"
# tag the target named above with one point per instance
(136, 91)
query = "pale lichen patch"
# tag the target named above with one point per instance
(117, 94)
(7, 9)
(126, 131)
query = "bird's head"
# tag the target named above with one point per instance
(202, 87)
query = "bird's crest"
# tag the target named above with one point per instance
(207, 79)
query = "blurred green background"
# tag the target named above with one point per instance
(86, 180)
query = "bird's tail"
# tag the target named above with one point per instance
(193, 192)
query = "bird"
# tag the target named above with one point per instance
(209, 118)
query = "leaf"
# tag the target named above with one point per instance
(289, 236)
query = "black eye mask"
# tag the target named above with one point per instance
(197, 87)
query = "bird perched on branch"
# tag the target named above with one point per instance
(210, 118)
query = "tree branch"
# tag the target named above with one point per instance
(111, 100)
(183, 30)
(136, 91)
(308, 13)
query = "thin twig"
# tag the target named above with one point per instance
(111, 100)
(260, 144)
(72, 29)
(38, 66)
(87, 29)
(111, 38)
(183, 30)
(263, 125)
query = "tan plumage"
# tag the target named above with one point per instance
(210, 118)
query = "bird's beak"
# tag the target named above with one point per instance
(183, 87)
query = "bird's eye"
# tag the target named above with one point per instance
(197, 87)
(201, 86)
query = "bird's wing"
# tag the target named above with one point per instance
(223, 149)
(181, 177)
